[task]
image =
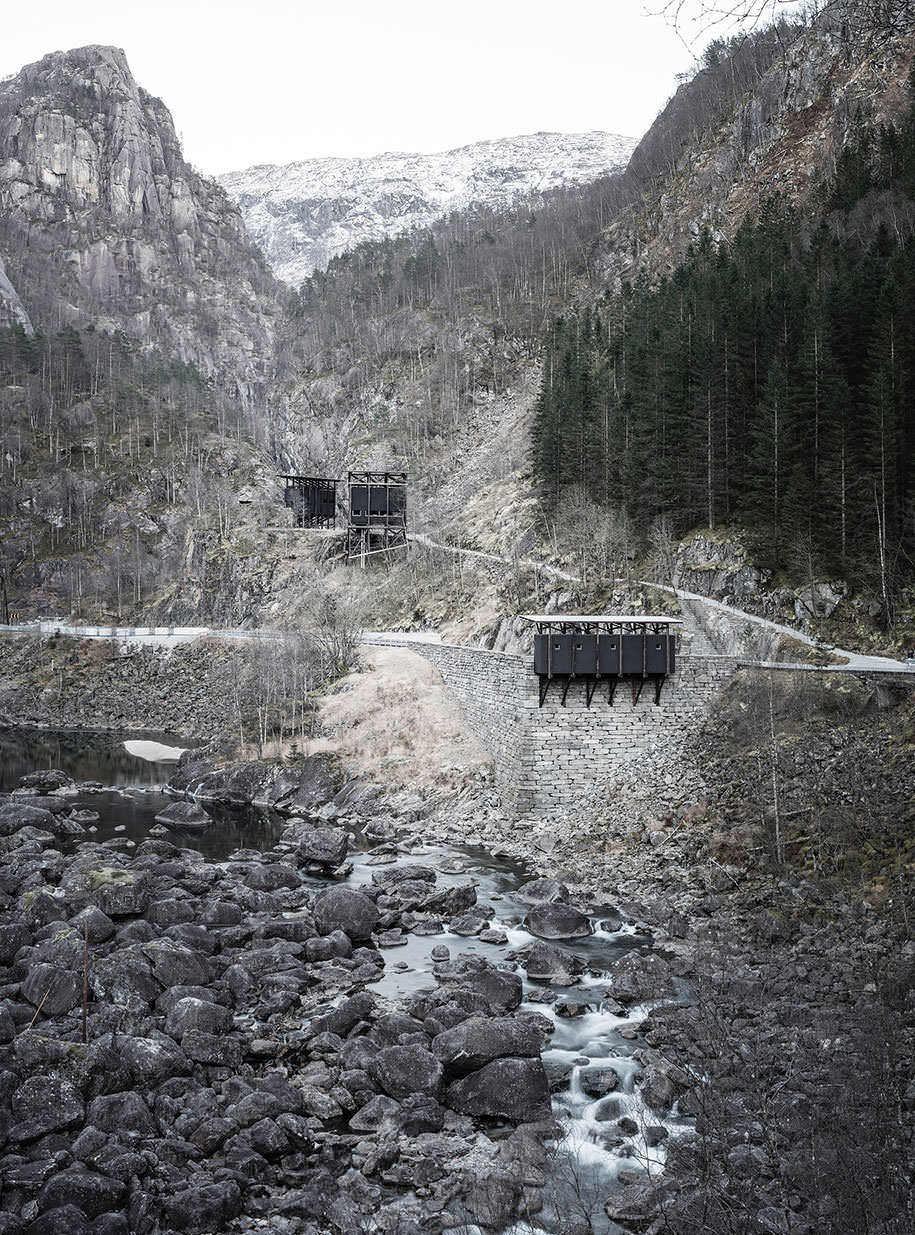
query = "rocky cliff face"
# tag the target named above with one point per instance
(781, 137)
(304, 214)
(148, 403)
(102, 221)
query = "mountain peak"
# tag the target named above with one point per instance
(102, 220)
(96, 61)
(305, 213)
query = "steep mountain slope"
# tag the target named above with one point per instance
(745, 356)
(713, 157)
(140, 344)
(304, 214)
(102, 221)
(417, 347)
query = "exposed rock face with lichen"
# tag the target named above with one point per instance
(781, 138)
(102, 221)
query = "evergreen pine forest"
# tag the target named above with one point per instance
(767, 384)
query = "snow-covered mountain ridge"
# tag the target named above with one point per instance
(303, 214)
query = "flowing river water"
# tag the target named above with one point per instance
(609, 1134)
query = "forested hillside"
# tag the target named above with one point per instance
(140, 341)
(401, 337)
(151, 368)
(766, 383)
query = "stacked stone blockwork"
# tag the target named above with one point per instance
(548, 758)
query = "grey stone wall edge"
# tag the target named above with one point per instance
(546, 759)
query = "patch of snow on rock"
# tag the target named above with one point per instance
(304, 214)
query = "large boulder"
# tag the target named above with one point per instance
(91, 923)
(42, 1104)
(480, 1039)
(374, 1112)
(418, 1113)
(13, 936)
(48, 780)
(238, 783)
(325, 846)
(149, 1061)
(662, 1083)
(184, 817)
(120, 1112)
(403, 1070)
(271, 876)
(193, 767)
(345, 910)
(203, 1207)
(497, 990)
(346, 1016)
(92, 1193)
(218, 1049)
(558, 966)
(119, 893)
(52, 989)
(597, 1080)
(62, 1220)
(290, 790)
(635, 1206)
(389, 876)
(315, 787)
(552, 920)
(537, 891)
(190, 1013)
(639, 976)
(124, 979)
(511, 1089)
(174, 965)
(16, 815)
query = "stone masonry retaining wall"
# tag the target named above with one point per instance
(547, 758)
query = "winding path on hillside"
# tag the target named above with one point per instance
(854, 662)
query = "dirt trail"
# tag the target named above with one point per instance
(855, 662)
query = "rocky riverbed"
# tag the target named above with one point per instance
(197, 1046)
(759, 1050)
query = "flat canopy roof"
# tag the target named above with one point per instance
(602, 619)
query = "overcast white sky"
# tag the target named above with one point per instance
(271, 81)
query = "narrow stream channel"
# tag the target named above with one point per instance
(607, 1127)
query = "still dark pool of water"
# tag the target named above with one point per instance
(84, 754)
(133, 788)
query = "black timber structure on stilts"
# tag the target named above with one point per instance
(603, 649)
(312, 499)
(377, 513)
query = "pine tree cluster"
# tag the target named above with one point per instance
(768, 383)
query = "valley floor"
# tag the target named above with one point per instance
(780, 1013)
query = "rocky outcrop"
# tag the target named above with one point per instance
(554, 920)
(12, 310)
(184, 817)
(102, 220)
(288, 789)
(717, 566)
